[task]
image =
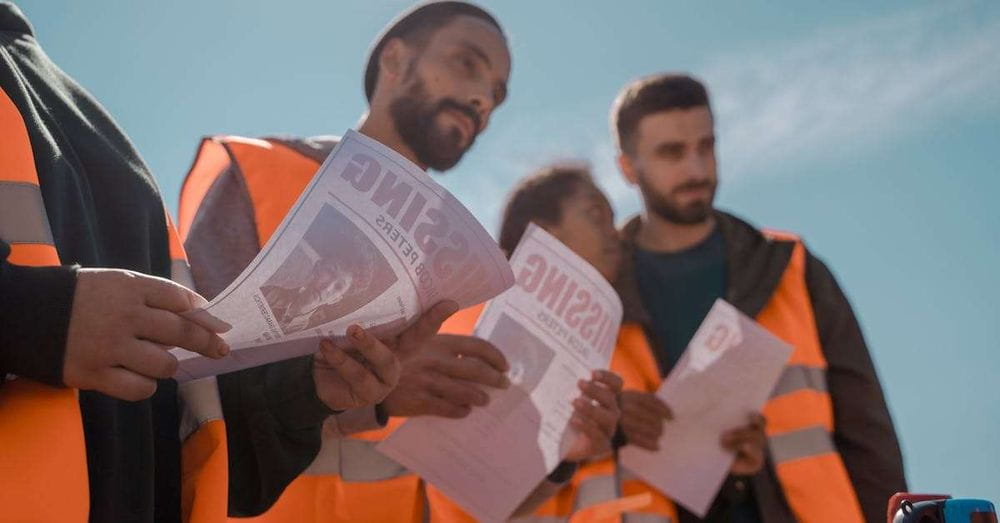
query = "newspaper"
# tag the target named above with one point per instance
(555, 326)
(372, 240)
(726, 373)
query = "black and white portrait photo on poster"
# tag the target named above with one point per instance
(334, 271)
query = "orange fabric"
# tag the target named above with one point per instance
(205, 475)
(15, 156)
(444, 510)
(43, 462)
(323, 499)
(659, 504)
(817, 488)
(463, 322)
(633, 360)
(275, 177)
(204, 457)
(612, 511)
(798, 410)
(177, 252)
(789, 315)
(43, 465)
(28, 253)
(210, 161)
(319, 498)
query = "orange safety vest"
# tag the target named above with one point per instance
(43, 462)
(799, 413)
(204, 453)
(349, 480)
(799, 421)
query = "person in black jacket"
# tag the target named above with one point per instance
(682, 254)
(101, 321)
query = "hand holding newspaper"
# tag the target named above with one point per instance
(372, 240)
(555, 326)
(727, 372)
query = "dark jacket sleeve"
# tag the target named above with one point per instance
(35, 305)
(863, 429)
(273, 415)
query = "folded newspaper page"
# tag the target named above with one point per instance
(373, 240)
(727, 372)
(557, 324)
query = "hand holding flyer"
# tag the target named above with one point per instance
(555, 326)
(726, 373)
(373, 240)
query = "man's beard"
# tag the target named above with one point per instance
(415, 116)
(668, 209)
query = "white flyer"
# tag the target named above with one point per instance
(557, 324)
(372, 240)
(726, 373)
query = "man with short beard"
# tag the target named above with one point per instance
(433, 79)
(832, 450)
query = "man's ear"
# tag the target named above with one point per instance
(393, 62)
(627, 168)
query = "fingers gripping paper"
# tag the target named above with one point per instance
(726, 373)
(373, 240)
(557, 324)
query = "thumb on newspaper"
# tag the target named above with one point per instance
(416, 335)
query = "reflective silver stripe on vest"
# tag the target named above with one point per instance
(22, 214)
(354, 460)
(645, 517)
(803, 443)
(595, 490)
(200, 404)
(800, 377)
(625, 474)
(539, 519)
(639, 517)
(180, 272)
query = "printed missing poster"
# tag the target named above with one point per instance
(372, 240)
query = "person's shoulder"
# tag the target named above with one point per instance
(13, 21)
(314, 147)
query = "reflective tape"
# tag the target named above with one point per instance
(354, 460)
(800, 377)
(798, 444)
(22, 214)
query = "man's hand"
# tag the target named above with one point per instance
(121, 327)
(643, 415)
(363, 373)
(595, 416)
(446, 378)
(748, 444)
(345, 381)
(416, 336)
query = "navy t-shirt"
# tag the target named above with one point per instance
(677, 290)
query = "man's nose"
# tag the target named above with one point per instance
(480, 101)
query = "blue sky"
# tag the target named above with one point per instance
(872, 129)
